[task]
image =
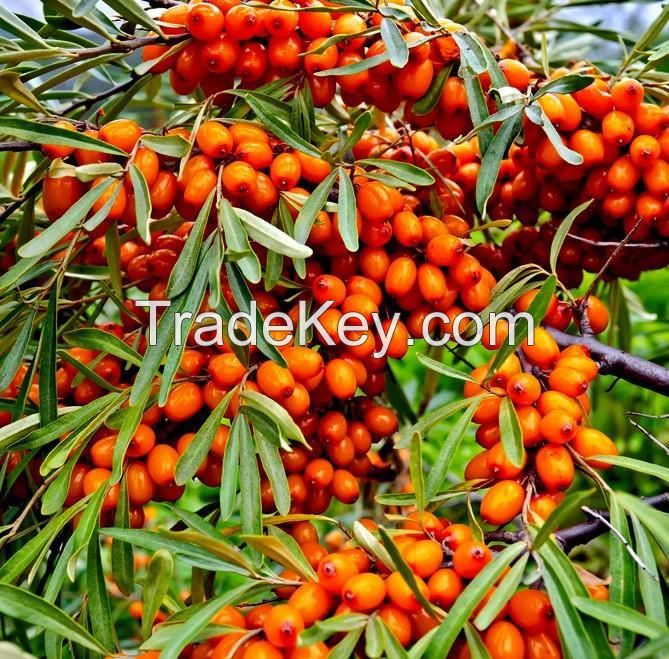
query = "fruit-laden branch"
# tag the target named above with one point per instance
(579, 534)
(618, 363)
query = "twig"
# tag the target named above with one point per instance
(621, 364)
(18, 146)
(103, 95)
(650, 436)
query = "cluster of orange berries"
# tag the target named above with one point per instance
(443, 557)
(548, 390)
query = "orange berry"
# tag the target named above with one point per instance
(334, 571)
(502, 502)
(554, 467)
(470, 558)
(504, 641)
(589, 441)
(444, 585)
(364, 592)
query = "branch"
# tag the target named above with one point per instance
(18, 146)
(127, 46)
(621, 364)
(579, 534)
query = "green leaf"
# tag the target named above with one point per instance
(430, 101)
(372, 545)
(97, 339)
(536, 115)
(373, 638)
(324, 629)
(478, 107)
(655, 521)
(39, 133)
(492, 159)
(133, 12)
(621, 616)
(537, 310)
(345, 648)
(271, 462)
(502, 594)
(122, 560)
(403, 170)
(282, 548)
(196, 452)
(583, 637)
(444, 369)
(416, 470)
(346, 208)
(652, 649)
(12, 87)
(189, 630)
(442, 463)
(143, 207)
(29, 608)
(55, 495)
(398, 50)
(640, 466)
(314, 204)
(113, 254)
(274, 411)
(469, 599)
(356, 67)
(173, 146)
(511, 433)
(88, 523)
(267, 235)
(361, 124)
(649, 579)
(184, 268)
(48, 395)
(622, 570)
(559, 515)
(237, 240)
(475, 644)
(12, 360)
(14, 25)
(228, 491)
(99, 609)
(471, 52)
(56, 231)
(431, 419)
(392, 647)
(568, 84)
(562, 231)
(281, 130)
(156, 584)
(405, 570)
(249, 482)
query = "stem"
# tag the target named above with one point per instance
(621, 364)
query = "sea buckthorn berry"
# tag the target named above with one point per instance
(558, 427)
(141, 442)
(54, 151)
(523, 388)
(400, 276)
(260, 649)
(275, 381)
(424, 557)
(96, 479)
(140, 485)
(627, 94)
(444, 250)
(283, 625)
(516, 73)
(364, 592)
(541, 646)
(398, 622)
(401, 595)
(554, 400)
(500, 465)
(470, 558)
(214, 139)
(340, 378)
(555, 467)
(544, 351)
(504, 641)
(345, 486)
(121, 133)
(568, 381)
(239, 179)
(161, 462)
(422, 522)
(466, 271)
(589, 441)
(334, 571)
(381, 420)
(285, 171)
(502, 502)
(444, 586)
(531, 610)
(618, 128)
(184, 401)
(312, 602)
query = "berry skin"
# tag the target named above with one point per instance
(502, 502)
(334, 571)
(312, 602)
(558, 427)
(444, 586)
(283, 625)
(205, 21)
(424, 557)
(531, 610)
(470, 558)
(364, 592)
(504, 641)
(401, 595)
(555, 467)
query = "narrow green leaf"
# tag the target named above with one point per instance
(173, 146)
(640, 466)
(87, 525)
(249, 482)
(122, 559)
(97, 339)
(274, 411)
(511, 433)
(469, 599)
(142, 203)
(416, 470)
(559, 515)
(562, 231)
(156, 585)
(314, 204)
(237, 240)
(621, 616)
(184, 269)
(345, 648)
(98, 599)
(26, 606)
(439, 470)
(48, 395)
(13, 24)
(536, 115)
(502, 594)
(133, 12)
(361, 124)
(444, 369)
(492, 159)
(324, 629)
(12, 360)
(41, 133)
(56, 231)
(431, 419)
(649, 578)
(346, 208)
(228, 491)
(271, 462)
(430, 101)
(655, 521)
(196, 452)
(478, 106)
(403, 170)
(398, 51)
(568, 84)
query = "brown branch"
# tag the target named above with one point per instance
(579, 534)
(126, 46)
(618, 363)
(19, 145)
